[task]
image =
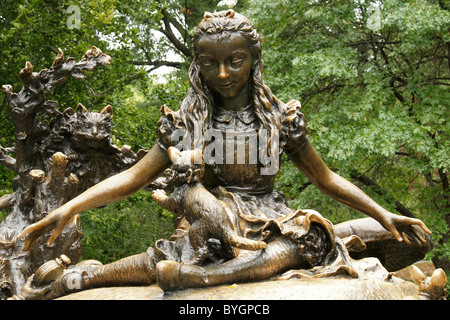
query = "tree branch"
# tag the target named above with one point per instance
(380, 191)
(7, 201)
(176, 24)
(6, 160)
(382, 43)
(158, 64)
(445, 185)
(24, 106)
(167, 31)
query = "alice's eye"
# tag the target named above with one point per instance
(236, 61)
(208, 63)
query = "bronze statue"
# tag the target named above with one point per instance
(229, 108)
(56, 156)
(190, 200)
(430, 288)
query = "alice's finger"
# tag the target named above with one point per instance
(55, 234)
(422, 225)
(26, 231)
(31, 241)
(34, 236)
(417, 239)
(47, 287)
(396, 234)
(420, 237)
(405, 238)
(29, 280)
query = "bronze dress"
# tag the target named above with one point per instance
(245, 188)
(260, 212)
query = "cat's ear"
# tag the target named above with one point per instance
(69, 112)
(81, 110)
(107, 111)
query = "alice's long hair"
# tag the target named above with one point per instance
(197, 107)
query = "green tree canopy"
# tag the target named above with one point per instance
(140, 36)
(373, 78)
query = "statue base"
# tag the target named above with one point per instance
(336, 288)
(372, 282)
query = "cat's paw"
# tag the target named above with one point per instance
(159, 195)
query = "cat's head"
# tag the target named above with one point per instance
(92, 128)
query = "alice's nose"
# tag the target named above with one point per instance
(223, 71)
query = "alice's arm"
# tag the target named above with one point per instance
(312, 166)
(113, 189)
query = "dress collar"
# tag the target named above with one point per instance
(247, 115)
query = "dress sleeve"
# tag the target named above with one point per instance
(294, 128)
(170, 128)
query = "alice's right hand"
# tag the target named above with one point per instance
(55, 220)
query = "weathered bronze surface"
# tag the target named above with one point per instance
(58, 155)
(190, 200)
(373, 284)
(233, 226)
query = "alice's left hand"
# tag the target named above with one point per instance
(406, 228)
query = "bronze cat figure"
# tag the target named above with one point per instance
(190, 199)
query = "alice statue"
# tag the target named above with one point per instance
(228, 108)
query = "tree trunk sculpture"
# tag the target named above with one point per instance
(58, 155)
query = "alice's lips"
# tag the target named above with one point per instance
(226, 85)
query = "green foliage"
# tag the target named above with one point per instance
(32, 30)
(125, 228)
(301, 194)
(372, 77)
(6, 177)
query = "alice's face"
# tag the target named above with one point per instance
(225, 65)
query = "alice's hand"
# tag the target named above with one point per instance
(406, 228)
(55, 220)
